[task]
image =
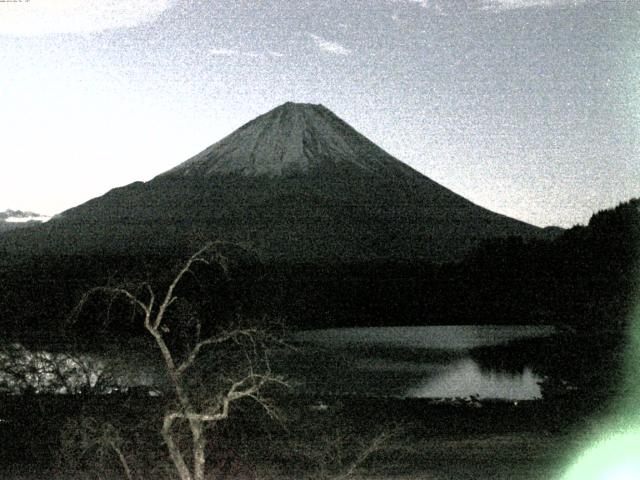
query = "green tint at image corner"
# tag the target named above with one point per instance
(616, 454)
(615, 457)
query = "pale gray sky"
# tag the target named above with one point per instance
(528, 107)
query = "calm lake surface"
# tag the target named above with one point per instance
(418, 362)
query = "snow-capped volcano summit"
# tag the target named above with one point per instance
(294, 138)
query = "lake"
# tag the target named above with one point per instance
(416, 362)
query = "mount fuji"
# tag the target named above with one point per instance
(298, 184)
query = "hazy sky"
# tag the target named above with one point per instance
(527, 107)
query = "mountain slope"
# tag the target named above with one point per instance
(297, 183)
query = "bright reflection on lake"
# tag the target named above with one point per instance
(465, 378)
(419, 362)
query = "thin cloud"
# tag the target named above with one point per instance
(422, 3)
(42, 17)
(499, 5)
(437, 7)
(440, 6)
(229, 52)
(328, 46)
(224, 52)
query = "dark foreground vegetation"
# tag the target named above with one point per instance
(83, 436)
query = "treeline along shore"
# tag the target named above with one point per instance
(585, 277)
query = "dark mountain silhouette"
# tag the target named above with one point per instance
(296, 183)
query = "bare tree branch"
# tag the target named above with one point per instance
(225, 337)
(169, 297)
(248, 340)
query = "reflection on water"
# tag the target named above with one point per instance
(418, 362)
(465, 378)
(423, 362)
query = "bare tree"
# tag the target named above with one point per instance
(88, 436)
(250, 369)
(40, 371)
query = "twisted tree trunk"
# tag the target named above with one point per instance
(174, 450)
(199, 441)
